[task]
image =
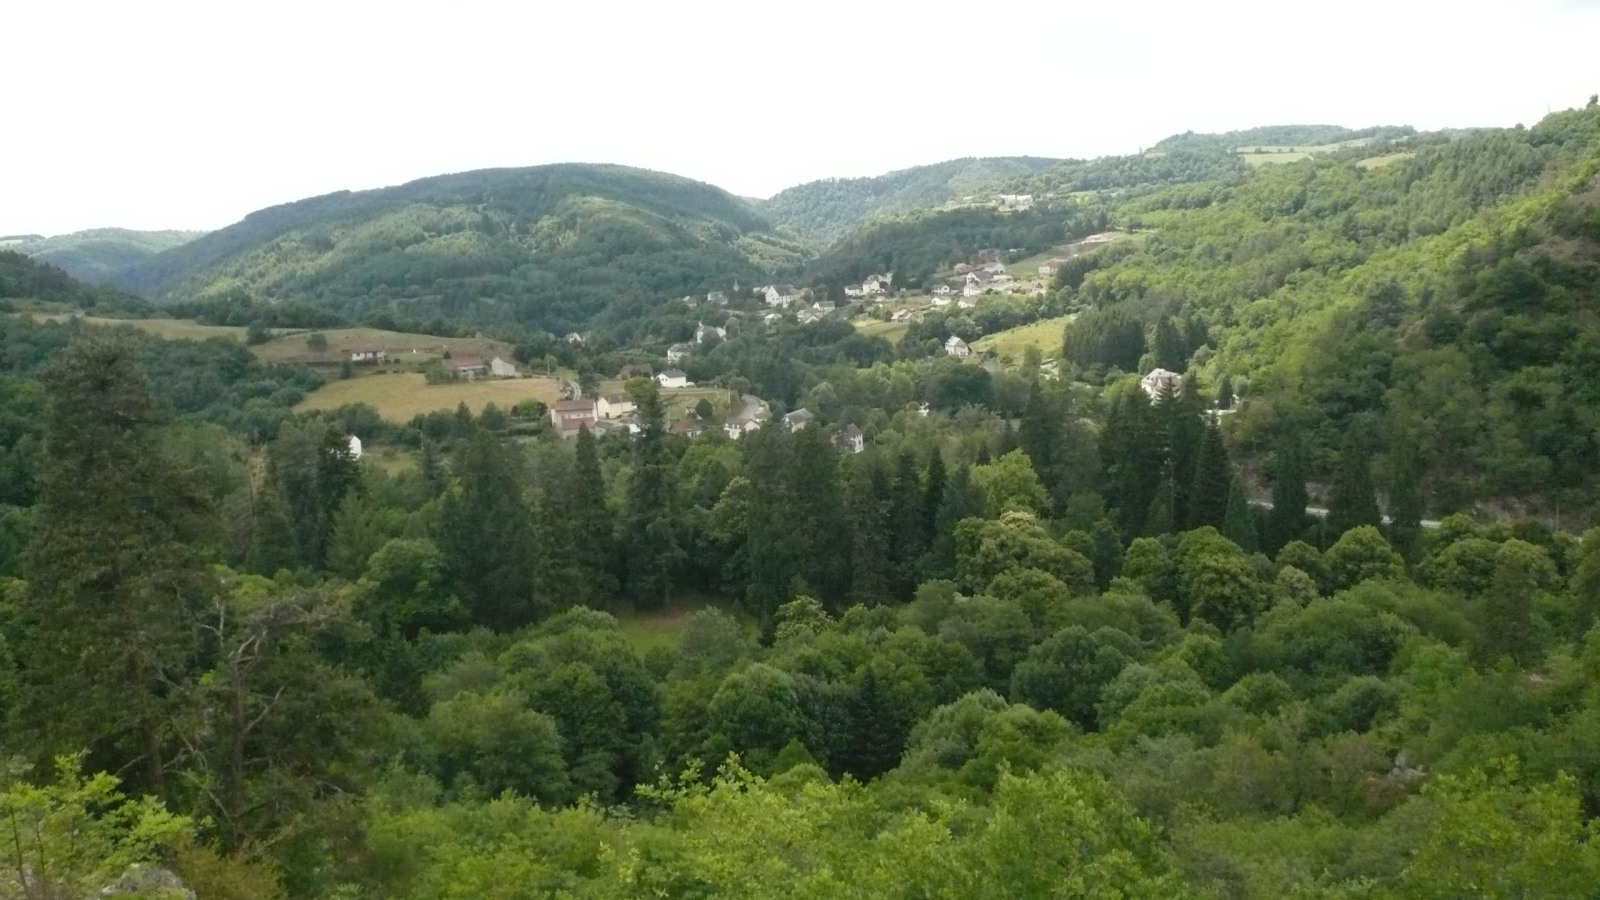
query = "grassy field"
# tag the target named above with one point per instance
(398, 396)
(175, 329)
(1374, 162)
(1282, 156)
(664, 627)
(1044, 334)
(889, 331)
(405, 347)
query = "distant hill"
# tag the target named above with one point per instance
(25, 278)
(823, 211)
(99, 254)
(1280, 136)
(545, 247)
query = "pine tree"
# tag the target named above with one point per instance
(486, 532)
(816, 516)
(1181, 420)
(875, 729)
(1168, 347)
(1287, 520)
(1158, 519)
(313, 466)
(114, 574)
(1225, 391)
(1405, 504)
(768, 552)
(353, 539)
(1352, 500)
(1133, 457)
(962, 499)
(649, 533)
(933, 495)
(1043, 436)
(870, 563)
(906, 524)
(1239, 522)
(272, 543)
(431, 469)
(590, 525)
(1208, 496)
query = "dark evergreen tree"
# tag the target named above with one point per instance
(871, 567)
(770, 555)
(962, 500)
(1287, 519)
(1213, 474)
(1168, 347)
(486, 533)
(1352, 501)
(272, 543)
(1043, 437)
(649, 530)
(906, 524)
(1225, 391)
(1107, 553)
(1405, 503)
(815, 516)
(1133, 457)
(933, 494)
(875, 728)
(114, 573)
(311, 464)
(589, 524)
(1239, 522)
(1159, 518)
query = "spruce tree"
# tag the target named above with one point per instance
(933, 494)
(875, 728)
(1132, 457)
(1158, 519)
(1287, 519)
(1405, 504)
(1041, 437)
(590, 524)
(767, 549)
(1208, 495)
(272, 543)
(870, 547)
(1168, 346)
(815, 515)
(963, 499)
(906, 526)
(649, 533)
(114, 575)
(1352, 500)
(1239, 522)
(486, 533)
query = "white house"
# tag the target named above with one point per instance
(1160, 381)
(739, 426)
(942, 290)
(355, 447)
(367, 354)
(957, 347)
(501, 368)
(824, 306)
(849, 439)
(673, 378)
(808, 315)
(614, 406)
(717, 298)
(877, 284)
(966, 302)
(854, 290)
(941, 302)
(1016, 201)
(574, 338)
(703, 331)
(677, 352)
(1049, 266)
(798, 419)
(781, 295)
(772, 318)
(973, 286)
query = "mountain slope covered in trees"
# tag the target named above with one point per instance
(826, 210)
(546, 247)
(98, 255)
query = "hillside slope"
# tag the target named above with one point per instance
(99, 254)
(823, 211)
(1442, 308)
(24, 278)
(544, 247)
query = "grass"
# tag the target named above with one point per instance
(1267, 159)
(405, 347)
(889, 331)
(663, 628)
(1375, 162)
(172, 329)
(1044, 334)
(399, 396)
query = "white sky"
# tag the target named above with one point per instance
(174, 114)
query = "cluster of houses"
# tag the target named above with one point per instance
(846, 438)
(871, 286)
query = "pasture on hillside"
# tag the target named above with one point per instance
(173, 329)
(403, 346)
(400, 396)
(1009, 344)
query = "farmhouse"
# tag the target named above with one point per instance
(781, 295)
(614, 405)
(468, 367)
(1049, 266)
(957, 347)
(673, 378)
(677, 352)
(808, 315)
(967, 302)
(798, 419)
(500, 368)
(824, 306)
(849, 439)
(367, 354)
(942, 290)
(854, 290)
(569, 415)
(1016, 201)
(355, 447)
(717, 298)
(1160, 381)
(703, 331)
(741, 425)
(574, 338)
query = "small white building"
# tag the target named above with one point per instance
(781, 295)
(1016, 201)
(957, 347)
(355, 447)
(367, 354)
(1160, 381)
(703, 331)
(849, 439)
(574, 338)
(798, 419)
(502, 368)
(677, 352)
(942, 290)
(673, 378)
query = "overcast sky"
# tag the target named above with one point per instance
(167, 114)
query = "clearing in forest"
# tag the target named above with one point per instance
(1044, 334)
(400, 396)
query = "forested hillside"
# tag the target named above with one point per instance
(100, 254)
(540, 248)
(1280, 136)
(1439, 306)
(823, 211)
(25, 278)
